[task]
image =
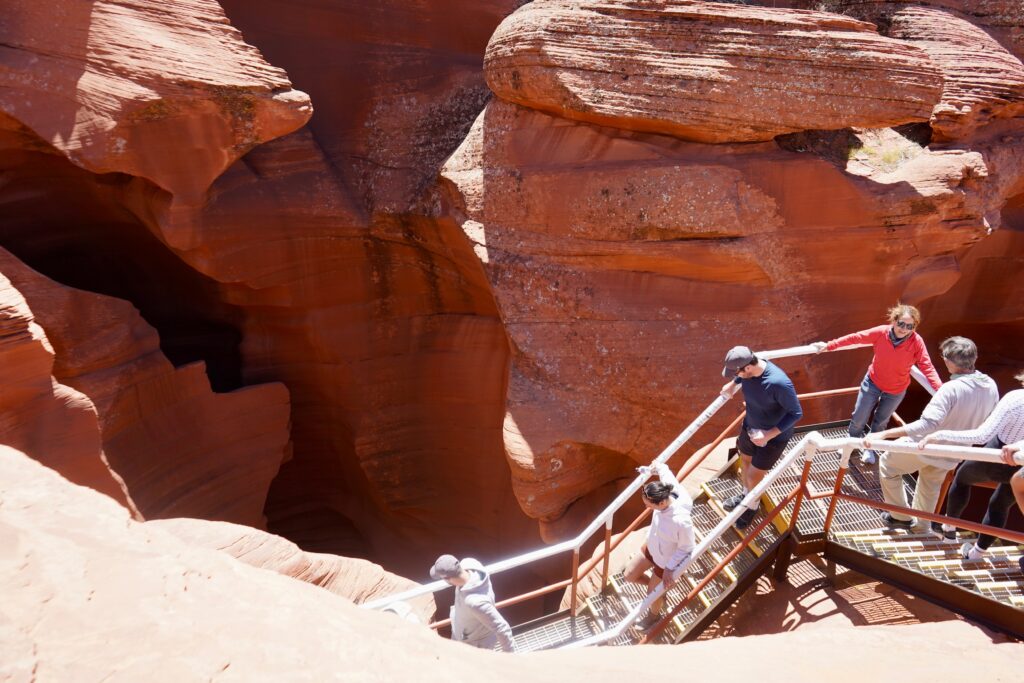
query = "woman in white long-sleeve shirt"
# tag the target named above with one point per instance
(670, 540)
(1004, 426)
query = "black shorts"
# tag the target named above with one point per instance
(762, 457)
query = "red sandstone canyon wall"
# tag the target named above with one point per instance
(401, 278)
(623, 263)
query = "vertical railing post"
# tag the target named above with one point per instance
(804, 476)
(606, 564)
(575, 581)
(789, 545)
(844, 465)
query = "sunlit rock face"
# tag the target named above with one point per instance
(624, 264)
(708, 72)
(39, 414)
(317, 259)
(167, 92)
(72, 557)
(500, 264)
(982, 79)
(357, 580)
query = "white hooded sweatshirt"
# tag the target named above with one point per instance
(475, 619)
(670, 539)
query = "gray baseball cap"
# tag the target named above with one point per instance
(738, 357)
(446, 567)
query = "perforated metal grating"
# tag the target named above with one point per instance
(997, 577)
(610, 607)
(861, 480)
(554, 633)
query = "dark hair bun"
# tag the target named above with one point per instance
(657, 491)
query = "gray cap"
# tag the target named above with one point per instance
(446, 567)
(738, 357)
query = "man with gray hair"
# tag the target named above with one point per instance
(962, 403)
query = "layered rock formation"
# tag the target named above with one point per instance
(39, 414)
(170, 93)
(171, 96)
(582, 232)
(394, 357)
(617, 257)
(233, 445)
(708, 72)
(301, 265)
(982, 80)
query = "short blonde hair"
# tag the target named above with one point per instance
(900, 310)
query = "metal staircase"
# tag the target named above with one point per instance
(817, 500)
(997, 579)
(613, 604)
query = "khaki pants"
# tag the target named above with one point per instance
(892, 467)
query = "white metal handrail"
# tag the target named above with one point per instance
(605, 516)
(808, 446)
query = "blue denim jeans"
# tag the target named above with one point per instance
(872, 398)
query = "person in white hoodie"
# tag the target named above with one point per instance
(670, 540)
(961, 403)
(475, 619)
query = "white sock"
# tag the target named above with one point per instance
(754, 504)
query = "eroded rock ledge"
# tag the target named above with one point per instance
(709, 72)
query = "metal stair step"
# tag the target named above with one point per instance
(988, 572)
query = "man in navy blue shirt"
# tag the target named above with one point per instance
(772, 410)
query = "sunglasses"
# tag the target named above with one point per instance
(905, 326)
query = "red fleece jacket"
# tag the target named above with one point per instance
(890, 368)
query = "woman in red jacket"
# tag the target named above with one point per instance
(897, 349)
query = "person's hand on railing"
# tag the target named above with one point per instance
(819, 346)
(925, 440)
(1009, 451)
(645, 470)
(729, 390)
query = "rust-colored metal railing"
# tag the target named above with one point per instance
(795, 496)
(689, 467)
(977, 527)
(613, 541)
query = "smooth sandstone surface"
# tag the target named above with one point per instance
(180, 449)
(301, 267)
(609, 268)
(136, 602)
(169, 92)
(58, 424)
(709, 72)
(358, 580)
(613, 255)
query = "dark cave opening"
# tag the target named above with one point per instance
(68, 224)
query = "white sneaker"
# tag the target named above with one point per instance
(971, 552)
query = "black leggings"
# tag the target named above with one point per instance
(999, 504)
